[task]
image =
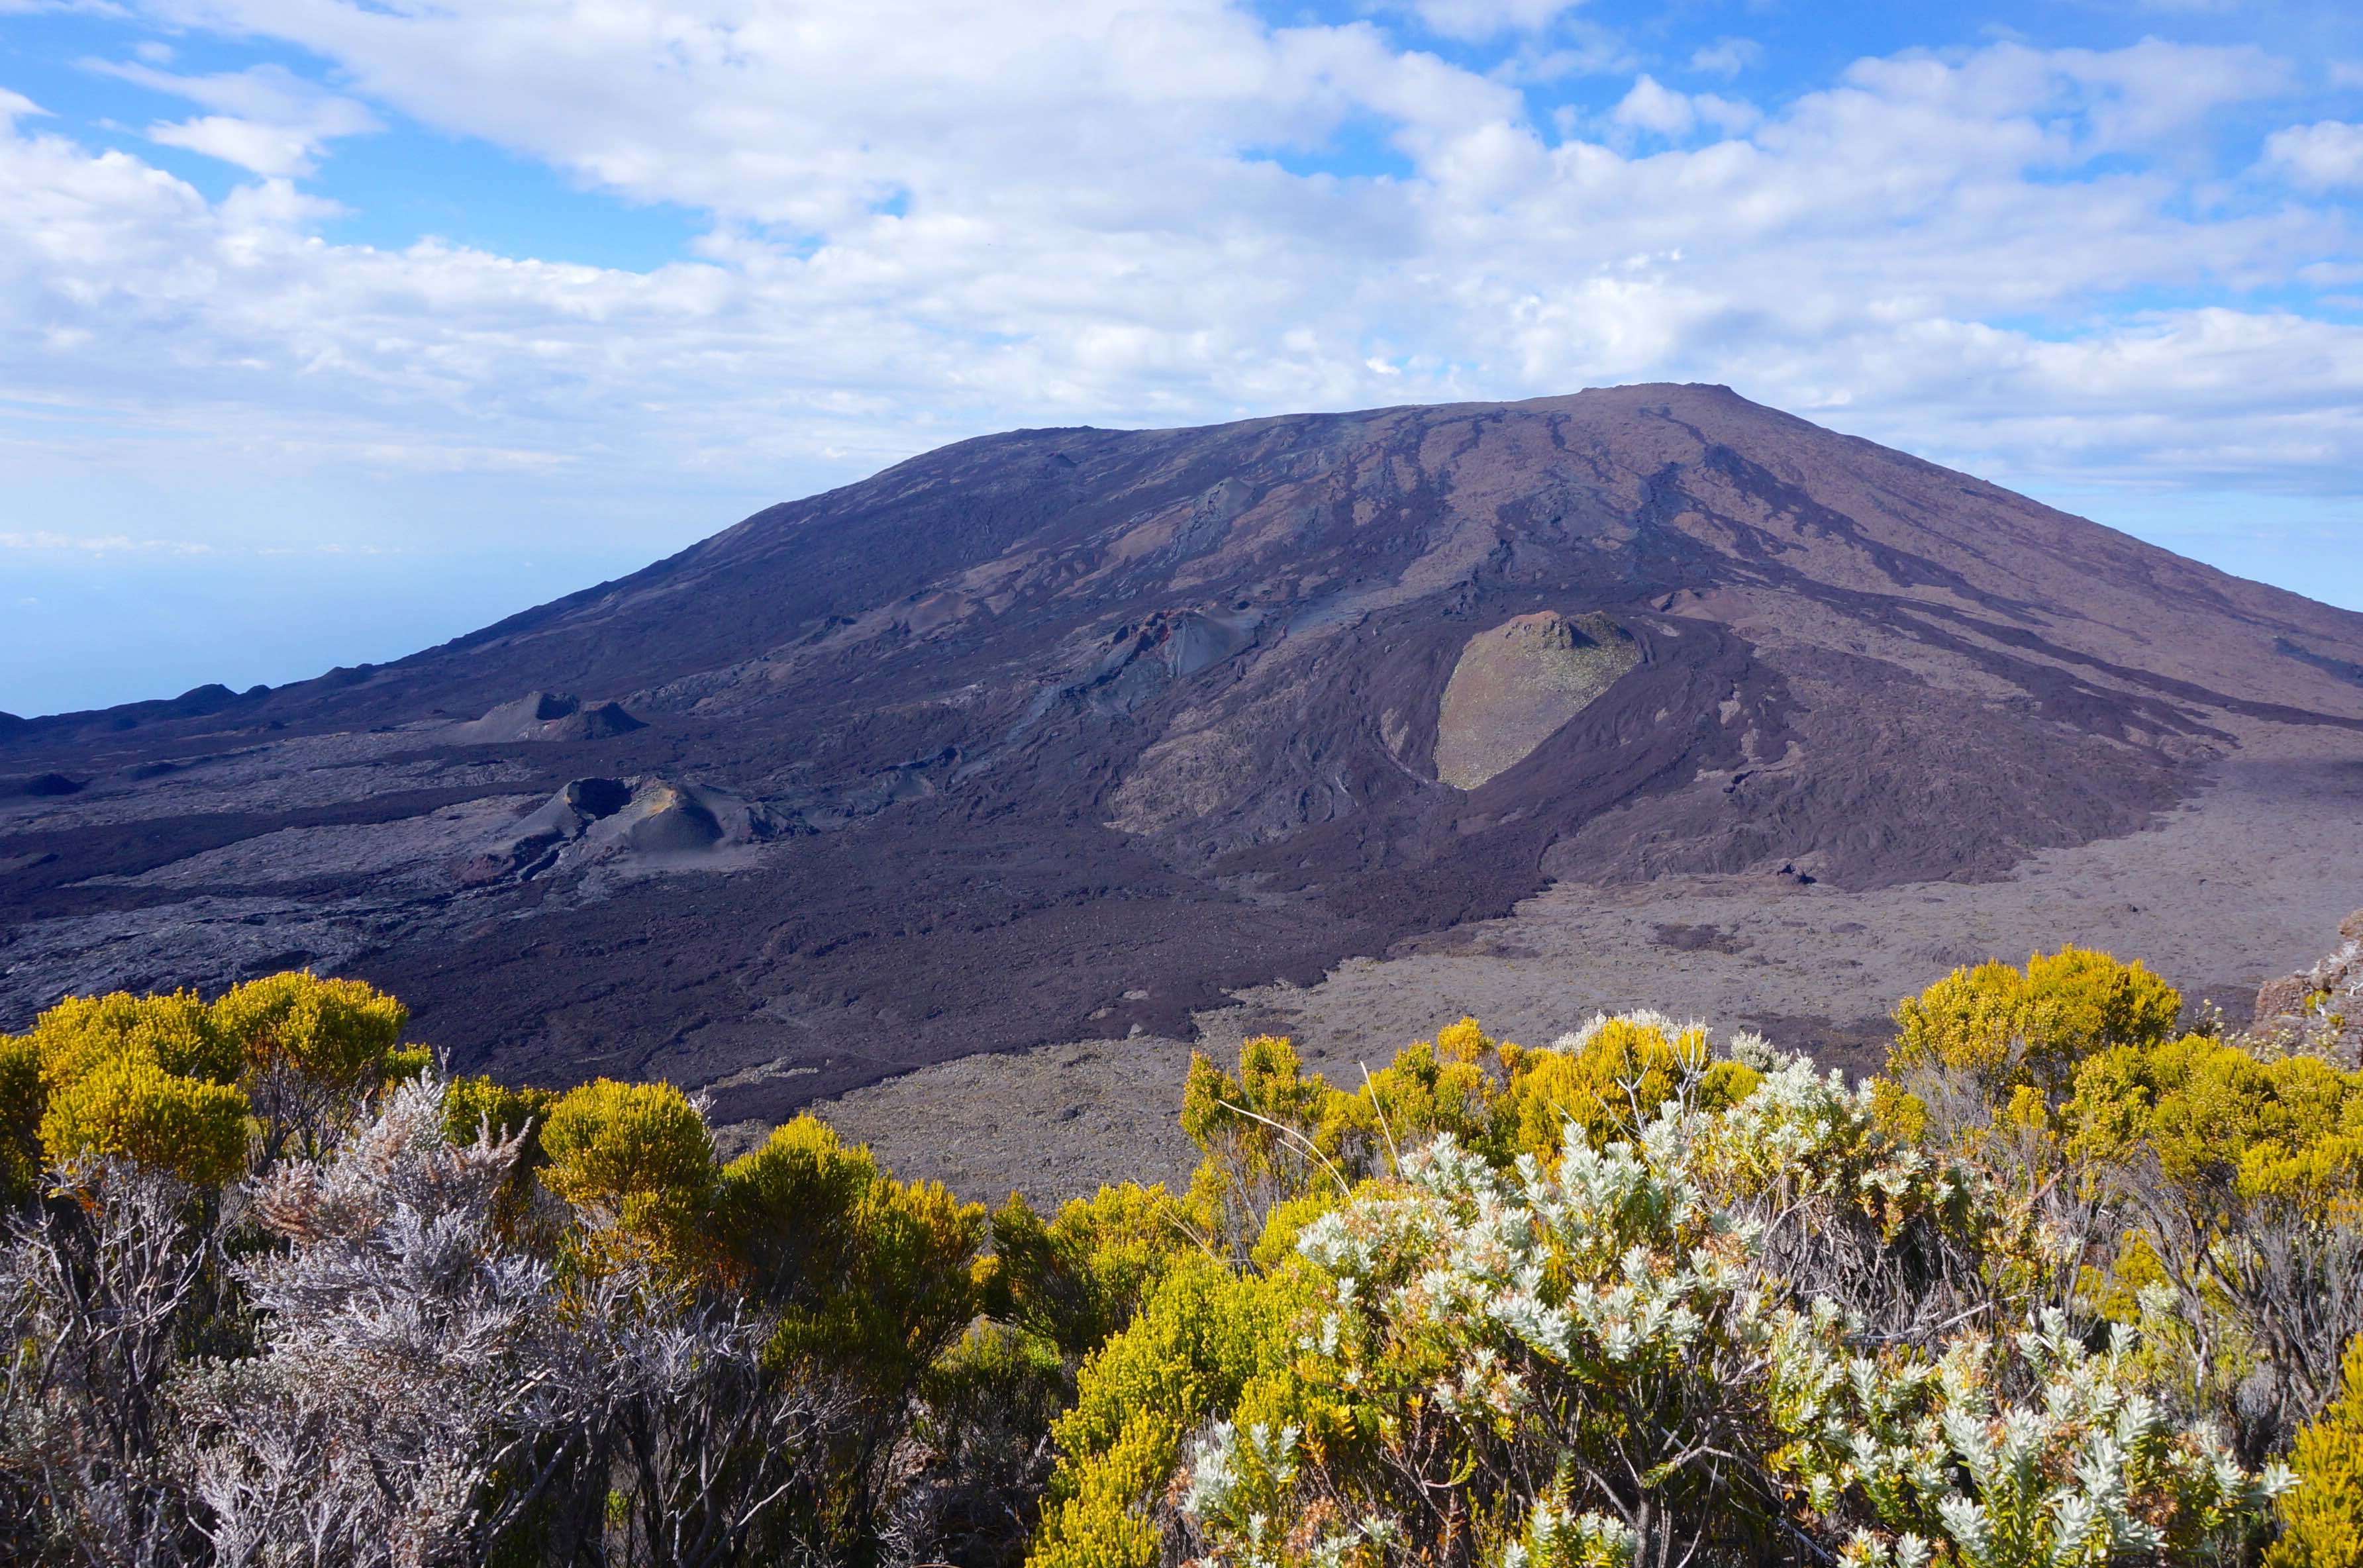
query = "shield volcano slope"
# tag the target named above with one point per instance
(1050, 734)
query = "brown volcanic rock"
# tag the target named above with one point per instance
(1063, 732)
(1517, 684)
(547, 716)
(650, 823)
(2320, 1011)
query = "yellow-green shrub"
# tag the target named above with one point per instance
(609, 1142)
(174, 1031)
(129, 1108)
(22, 1100)
(476, 1104)
(339, 1031)
(1195, 1348)
(1079, 1278)
(639, 1159)
(868, 1280)
(2322, 1521)
(865, 1271)
(119, 1076)
(1449, 1085)
(312, 1051)
(1267, 1135)
(1271, 1087)
(2000, 1028)
(1617, 1075)
(2216, 1118)
(147, 1061)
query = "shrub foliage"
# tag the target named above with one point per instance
(2062, 1286)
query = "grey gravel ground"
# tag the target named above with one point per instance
(2248, 881)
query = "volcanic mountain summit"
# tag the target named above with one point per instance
(1055, 733)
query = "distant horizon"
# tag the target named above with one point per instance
(432, 609)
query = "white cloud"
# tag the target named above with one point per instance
(263, 148)
(2323, 156)
(1655, 108)
(1574, 48)
(1652, 107)
(1726, 57)
(2111, 101)
(1481, 19)
(1088, 229)
(271, 121)
(98, 543)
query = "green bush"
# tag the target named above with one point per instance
(1195, 1350)
(2004, 1028)
(863, 1269)
(22, 1101)
(2322, 1521)
(2216, 1118)
(1079, 1278)
(865, 1279)
(638, 1160)
(477, 1106)
(2065, 1288)
(175, 1031)
(339, 1031)
(128, 1107)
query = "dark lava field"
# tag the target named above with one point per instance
(1060, 733)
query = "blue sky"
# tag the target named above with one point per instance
(332, 329)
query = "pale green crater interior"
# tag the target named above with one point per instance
(1517, 683)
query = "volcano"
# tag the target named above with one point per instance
(1064, 734)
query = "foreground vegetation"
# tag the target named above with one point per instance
(2066, 1286)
